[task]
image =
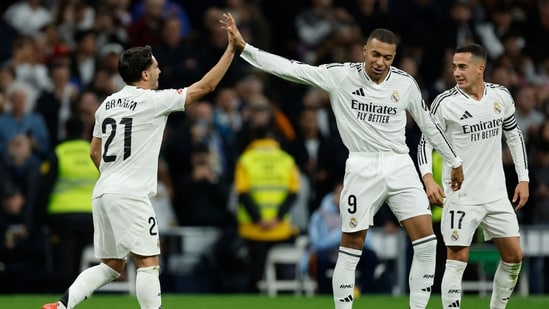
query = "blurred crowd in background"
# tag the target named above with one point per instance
(58, 61)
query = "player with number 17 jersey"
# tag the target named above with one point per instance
(475, 128)
(130, 124)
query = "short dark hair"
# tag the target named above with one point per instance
(383, 35)
(133, 61)
(476, 50)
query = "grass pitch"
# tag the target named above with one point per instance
(239, 301)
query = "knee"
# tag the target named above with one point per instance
(353, 240)
(512, 257)
(115, 264)
(460, 254)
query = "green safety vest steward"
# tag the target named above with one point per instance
(75, 179)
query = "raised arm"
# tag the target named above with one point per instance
(211, 79)
(287, 69)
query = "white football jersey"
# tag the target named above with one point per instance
(370, 117)
(130, 124)
(475, 128)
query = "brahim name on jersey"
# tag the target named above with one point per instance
(121, 102)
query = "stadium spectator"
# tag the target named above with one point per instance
(180, 63)
(527, 114)
(316, 23)
(72, 16)
(83, 59)
(27, 16)
(539, 265)
(167, 9)
(22, 249)
(249, 18)
(227, 117)
(202, 196)
(57, 104)
(316, 156)
(266, 182)
(146, 28)
(85, 106)
(109, 26)
(69, 209)
(23, 123)
(28, 69)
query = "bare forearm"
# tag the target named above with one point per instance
(210, 80)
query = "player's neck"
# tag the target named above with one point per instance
(476, 91)
(141, 84)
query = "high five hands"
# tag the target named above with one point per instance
(235, 38)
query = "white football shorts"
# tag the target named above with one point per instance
(124, 224)
(459, 222)
(372, 179)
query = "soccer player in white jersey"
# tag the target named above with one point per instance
(475, 115)
(370, 101)
(125, 146)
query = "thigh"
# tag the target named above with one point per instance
(509, 249)
(362, 195)
(125, 224)
(406, 196)
(459, 223)
(500, 221)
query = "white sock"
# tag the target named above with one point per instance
(86, 283)
(505, 280)
(343, 280)
(451, 284)
(147, 287)
(422, 271)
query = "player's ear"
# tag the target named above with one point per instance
(145, 75)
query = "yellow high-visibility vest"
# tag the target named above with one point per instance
(75, 179)
(268, 174)
(436, 210)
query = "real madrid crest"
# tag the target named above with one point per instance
(455, 235)
(353, 223)
(395, 97)
(497, 107)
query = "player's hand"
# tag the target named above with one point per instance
(456, 178)
(435, 194)
(521, 194)
(235, 38)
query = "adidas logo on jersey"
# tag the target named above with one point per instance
(454, 304)
(359, 92)
(466, 115)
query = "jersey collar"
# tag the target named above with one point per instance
(368, 77)
(485, 92)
